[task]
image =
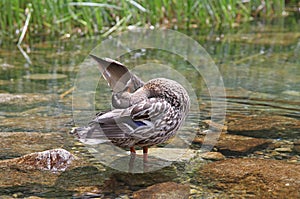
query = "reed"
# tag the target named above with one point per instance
(78, 17)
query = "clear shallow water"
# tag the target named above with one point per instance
(259, 64)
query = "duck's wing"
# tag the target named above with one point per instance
(135, 123)
(115, 124)
(155, 114)
(118, 77)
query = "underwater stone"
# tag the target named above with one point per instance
(255, 176)
(53, 160)
(164, 190)
(45, 76)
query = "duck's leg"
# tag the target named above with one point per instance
(145, 159)
(145, 154)
(132, 151)
(132, 158)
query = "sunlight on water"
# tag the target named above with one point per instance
(260, 70)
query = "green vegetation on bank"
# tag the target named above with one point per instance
(24, 18)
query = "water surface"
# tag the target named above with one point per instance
(259, 64)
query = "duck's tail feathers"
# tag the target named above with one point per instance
(91, 134)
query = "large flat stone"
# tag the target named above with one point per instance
(240, 145)
(35, 123)
(212, 156)
(171, 154)
(164, 190)
(229, 144)
(24, 99)
(263, 126)
(252, 178)
(158, 158)
(15, 144)
(53, 173)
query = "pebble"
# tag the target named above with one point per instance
(212, 156)
(163, 190)
(296, 147)
(17, 195)
(6, 197)
(285, 155)
(274, 153)
(258, 152)
(124, 197)
(284, 150)
(297, 142)
(278, 157)
(292, 161)
(276, 145)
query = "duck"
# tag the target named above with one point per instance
(144, 114)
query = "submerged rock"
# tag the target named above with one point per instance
(263, 126)
(16, 102)
(164, 190)
(236, 144)
(16, 171)
(158, 157)
(39, 76)
(51, 174)
(35, 123)
(53, 160)
(15, 144)
(212, 156)
(283, 150)
(171, 154)
(24, 99)
(291, 92)
(240, 145)
(296, 147)
(252, 178)
(4, 82)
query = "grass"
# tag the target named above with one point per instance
(67, 18)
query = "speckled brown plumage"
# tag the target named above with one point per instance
(146, 114)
